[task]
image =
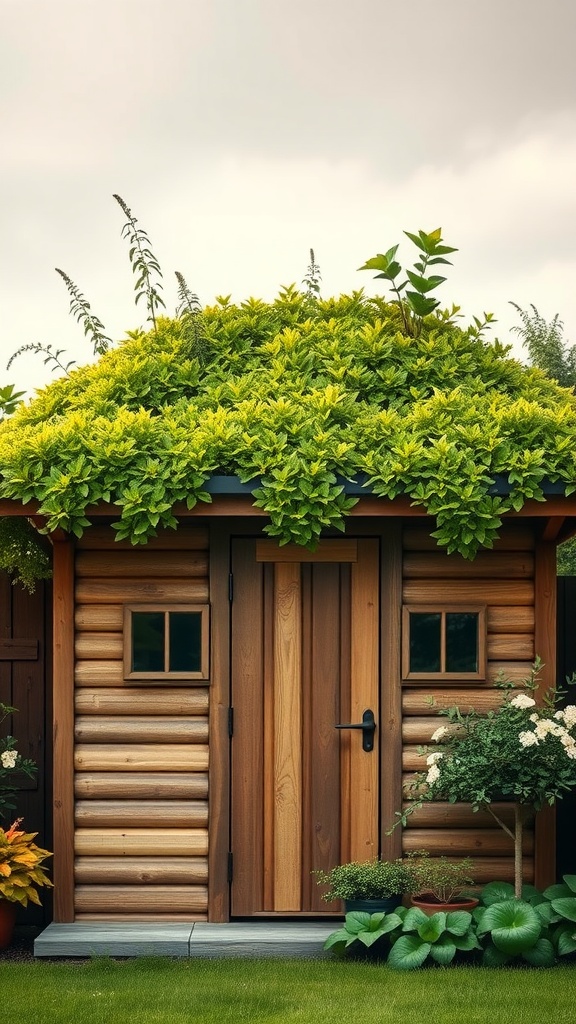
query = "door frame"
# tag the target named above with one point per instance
(389, 532)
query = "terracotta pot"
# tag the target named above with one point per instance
(430, 905)
(7, 920)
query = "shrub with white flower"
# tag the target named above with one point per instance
(522, 752)
(11, 764)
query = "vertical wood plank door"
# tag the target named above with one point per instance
(305, 658)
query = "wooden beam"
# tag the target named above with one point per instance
(219, 815)
(329, 550)
(553, 527)
(18, 650)
(63, 730)
(242, 505)
(390, 689)
(287, 737)
(545, 646)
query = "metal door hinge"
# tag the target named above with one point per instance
(230, 865)
(230, 587)
(230, 722)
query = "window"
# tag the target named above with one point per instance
(166, 643)
(447, 643)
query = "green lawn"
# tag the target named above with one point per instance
(282, 992)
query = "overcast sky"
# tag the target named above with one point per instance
(243, 132)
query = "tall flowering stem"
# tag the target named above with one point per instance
(522, 753)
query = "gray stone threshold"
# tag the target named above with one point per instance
(198, 939)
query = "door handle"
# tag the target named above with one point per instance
(368, 726)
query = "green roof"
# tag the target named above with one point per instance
(301, 395)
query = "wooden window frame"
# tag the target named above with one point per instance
(442, 610)
(158, 678)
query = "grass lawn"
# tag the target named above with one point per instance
(282, 992)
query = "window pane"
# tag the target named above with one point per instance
(461, 641)
(185, 641)
(425, 641)
(148, 641)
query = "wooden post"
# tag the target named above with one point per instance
(391, 688)
(219, 813)
(63, 729)
(545, 647)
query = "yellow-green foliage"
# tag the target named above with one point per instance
(297, 396)
(20, 865)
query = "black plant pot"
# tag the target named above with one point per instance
(376, 906)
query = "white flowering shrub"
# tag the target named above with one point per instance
(11, 764)
(521, 752)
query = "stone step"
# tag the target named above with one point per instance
(199, 939)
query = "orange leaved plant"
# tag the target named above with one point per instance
(20, 870)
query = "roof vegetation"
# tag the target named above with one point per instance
(298, 394)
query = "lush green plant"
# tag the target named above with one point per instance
(438, 938)
(312, 278)
(81, 310)
(366, 880)
(514, 930)
(548, 350)
(546, 346)
(11, 762)
(363, 928)
(189, 311)
(562, 900)
(300, 404)
(50, 354)
(9, 400)
(520, 752)
(144, 264)
(22, 553)
(442, 879)
(417, 303)
(21, 871)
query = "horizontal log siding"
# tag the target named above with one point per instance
(503, 580)
(141, 752)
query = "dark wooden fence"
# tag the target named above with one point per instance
(25, 677)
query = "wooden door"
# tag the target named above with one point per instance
(305, 657)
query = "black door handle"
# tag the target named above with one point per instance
(368, 726)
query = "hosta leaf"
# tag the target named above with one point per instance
(408, 952)
(565, 939)
(541, 954)
(443, 951)
(495, 892)
(566, 907)
(357, 921)
(337, 938)
(458, 922)
(514, 926)
(493, 957)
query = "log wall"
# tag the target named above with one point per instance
(503, 580)
(141, 752)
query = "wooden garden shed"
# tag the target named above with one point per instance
(214, 793)
(231, 713)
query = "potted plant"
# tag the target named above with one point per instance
(371, 886)
(440, 884)
(21, 874)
